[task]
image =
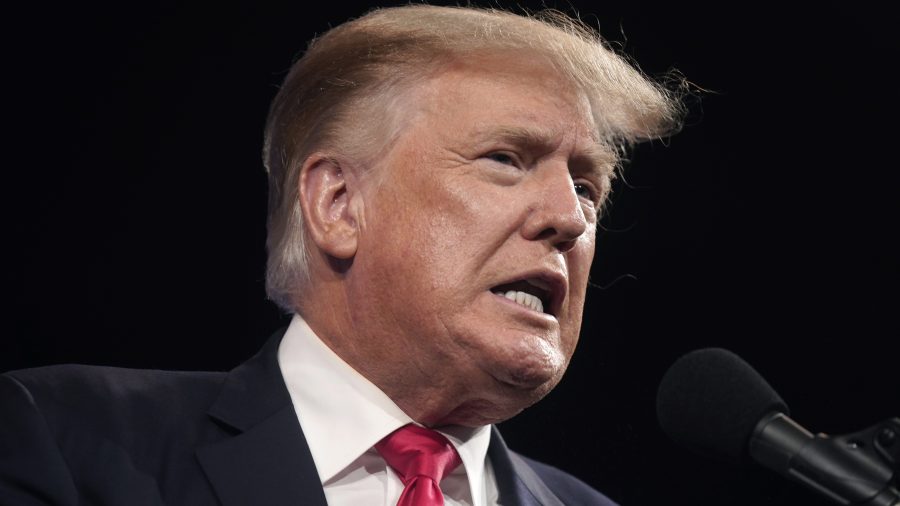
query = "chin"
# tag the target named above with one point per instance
(497, 397)
(531, 364)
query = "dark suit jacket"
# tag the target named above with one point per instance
(83, 435)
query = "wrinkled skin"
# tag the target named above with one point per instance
(497, 175)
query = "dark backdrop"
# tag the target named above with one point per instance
(136, 206)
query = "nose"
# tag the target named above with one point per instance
(556, 215)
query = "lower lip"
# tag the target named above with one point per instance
(542, 317)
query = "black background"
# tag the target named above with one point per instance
(135, 211)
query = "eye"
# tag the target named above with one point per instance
(585, 191)
(501, 157)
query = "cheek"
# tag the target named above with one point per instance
(579, 263)
(454, 233)
(419, 249)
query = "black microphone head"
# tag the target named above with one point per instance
(710, 401)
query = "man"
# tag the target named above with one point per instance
(436, 176)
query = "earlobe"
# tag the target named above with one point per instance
(325, 201)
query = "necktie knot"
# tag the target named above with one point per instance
(415, 452)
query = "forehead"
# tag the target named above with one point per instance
(503, 98)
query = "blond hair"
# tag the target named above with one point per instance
(357, 70)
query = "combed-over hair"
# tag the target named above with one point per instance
(338, 97)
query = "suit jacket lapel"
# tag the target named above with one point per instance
(267, 461)
(517, 483)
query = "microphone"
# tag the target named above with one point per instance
(714, 403)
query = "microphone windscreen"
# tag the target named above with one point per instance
(710, 401)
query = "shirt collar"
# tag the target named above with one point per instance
(472, 446)
(343, 414)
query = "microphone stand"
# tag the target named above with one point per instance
(862, 468)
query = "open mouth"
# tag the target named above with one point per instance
(533, 293)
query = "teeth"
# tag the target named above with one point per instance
(525, 299)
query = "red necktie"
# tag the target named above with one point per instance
(421, 457)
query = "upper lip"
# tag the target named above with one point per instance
(551, 284)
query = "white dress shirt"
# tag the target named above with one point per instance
(343, 415)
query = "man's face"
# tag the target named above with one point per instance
(490, 194)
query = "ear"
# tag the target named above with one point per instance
(325, 202)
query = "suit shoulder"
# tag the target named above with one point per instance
(570, 490)
(113, 393)
(76, 382)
